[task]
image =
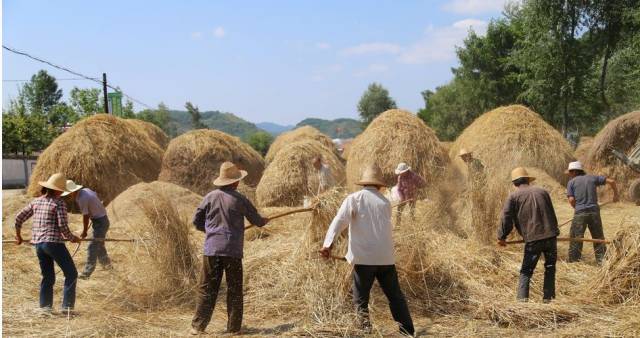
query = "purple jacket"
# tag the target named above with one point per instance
(221, 217)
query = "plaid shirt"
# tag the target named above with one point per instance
(408, 185)
(50, 222)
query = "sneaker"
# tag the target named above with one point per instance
(195, 332)
(45, 311)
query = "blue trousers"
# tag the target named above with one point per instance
(56, 252)
(96, 250)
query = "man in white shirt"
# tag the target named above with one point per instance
(367, 213)
(325, 179)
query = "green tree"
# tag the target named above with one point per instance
(87, 101)
(41, 93)
(373, 102)
(196, 117)
(159, 117)
(61, 114)
(24, 133)
(260, 141)
(127, 110)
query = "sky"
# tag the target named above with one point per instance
(276, 61)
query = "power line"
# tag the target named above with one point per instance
(85, 77)
(75, 79)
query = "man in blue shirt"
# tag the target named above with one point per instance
(583, 197)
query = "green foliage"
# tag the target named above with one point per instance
(260, 141)
(24, 133)
(41, 93)
(338, 128)
(374, 102)
(86, 101)
(226, 122)
(159, 117)
(127, 110)
(196, 118)
(62, 114)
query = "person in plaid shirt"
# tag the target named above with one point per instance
(408, 185)
(49, 231)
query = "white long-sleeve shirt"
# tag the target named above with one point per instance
(367, 213)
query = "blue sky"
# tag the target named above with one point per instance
(277, 61)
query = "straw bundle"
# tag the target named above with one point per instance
(393, 137)
(192, 160)
(291, 176)
(298, 134)
(154, 132)
(621, 134)
(102, 152)
(548, 183)
(583, 148)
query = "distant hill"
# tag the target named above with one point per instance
(338, 128)
(273, 128)
(226, 122)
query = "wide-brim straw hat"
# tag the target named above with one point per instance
(521, 172)
(71, 187)
(56, 181)
(372, 175)
(229, 174)
(402, 168)
(464, 151)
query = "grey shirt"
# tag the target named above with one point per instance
(584, 189)
(221, 217)
(530, 209)
(90, 204)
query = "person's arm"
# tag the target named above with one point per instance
(339, 223)
(506, 225)
(200, 215)
(570, 194)
(85, 226)
(63, 222)
(612, 183)
(253, 216)
(399, 185)
(22, 217)
(83, 205)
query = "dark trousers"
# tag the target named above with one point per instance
(212, 269)
(532, 252)
(412, 211)
(387, 276)
(96, 250)
(56, 252)
(579, 225)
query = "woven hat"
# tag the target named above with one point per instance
(71, 187)
(56, 181)
(402, 168)
(229, 174)
(372, 175)
(521, 172)
(574, 166)
(464, 151)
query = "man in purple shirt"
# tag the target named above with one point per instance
(221, 217)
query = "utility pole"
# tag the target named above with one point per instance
(104, 93)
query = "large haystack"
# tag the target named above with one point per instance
(621, 134)
(583, 148)
(291, 176)
(192, 160)
(154, 132)
(102, 152)
(393, 137)
(298, 134)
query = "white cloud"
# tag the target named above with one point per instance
(474, 6)
(323, 45)
(219, 32)
(196, 35)
(374, 68)
(322, 73)
(372, 48)
(439, 43)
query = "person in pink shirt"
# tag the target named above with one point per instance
(409, 184)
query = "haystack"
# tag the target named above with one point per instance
(154, 132)
(548, 183)
(583, 148)
(102, 152)
(291, 176)
(298, 134)
(621, 134)
(393, 137)
(192, 160)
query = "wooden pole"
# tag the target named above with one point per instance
(81, 240)
(567, 239)
(104, 93)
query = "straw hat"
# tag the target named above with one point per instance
(71, 187)
(372, 175)
(574, 166)
(402, 168)
(56, 182)
(229, 174)
(464, 151)
(521, 172)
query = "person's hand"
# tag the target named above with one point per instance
(84, 234)
(19, 239)
(75, 239)
(325, 252)
(502, 242)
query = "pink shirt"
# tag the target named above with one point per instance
(408, 185)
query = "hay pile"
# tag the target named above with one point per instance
(102, 152)
(291, 176)
(154, 132)
(548, 183)
(583, 148)
(298, 134)
(192, 160)
(622, 134)
(393, 137)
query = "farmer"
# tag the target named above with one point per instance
(325, 178)
(367, 213)
(49, 231)
(477, 181)
(477, 176)
(408, 185)
(583, 197)
(221, 217)
(92, 209)
(529, 208)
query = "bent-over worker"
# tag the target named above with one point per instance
(530, 210)
(325, 178)
(367, 214)
(221, 217)
(409, 183)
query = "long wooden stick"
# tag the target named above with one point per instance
(81, 240)
(567, 239)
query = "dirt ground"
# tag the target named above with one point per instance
(101, 311)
